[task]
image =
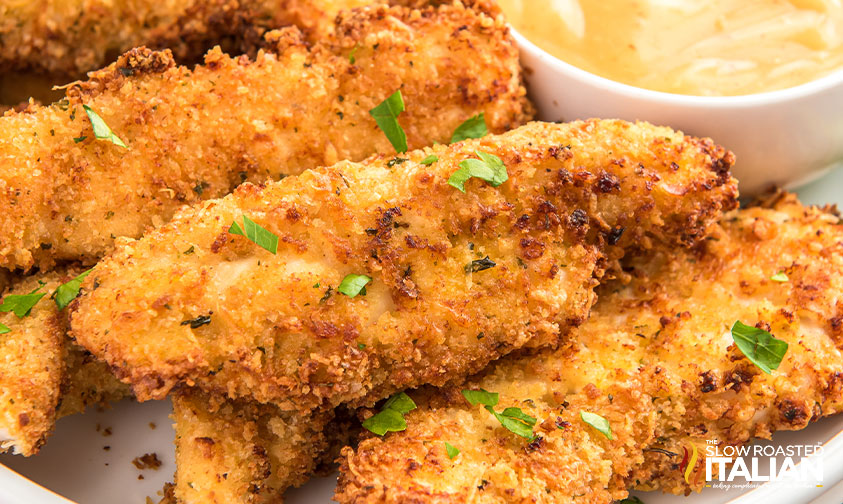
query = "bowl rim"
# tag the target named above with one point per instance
(830, 81)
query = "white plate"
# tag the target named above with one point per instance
(75, 464)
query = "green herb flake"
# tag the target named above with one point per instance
(22, 304)
(101, 129)
(479, 265)
(781, 277)
(513, 419)
(451, 450)
(473, 127)
(489, 168)
(484, 397)
(391, 416)
(429, 160)
(4, 329)
(386, 116)
(759, 346)
(352, 285)
(79, 139)
(598, 422)
(67, 292)
(255, 233)
(351, 58)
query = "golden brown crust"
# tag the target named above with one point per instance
(278, 334)
(70, 37)
(43, 375)
(240, 451)
(196, 134)
(31, 370)
(655, 359)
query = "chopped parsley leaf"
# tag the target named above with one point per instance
(391, 416)
(79, 139)
(198, 321)
(473, 127)
(67, 292)
(598, 422)
(396, 161)
(255, 233)
(101, 129)
(429, 160)
(352, 285)
(451, 450)
(351, 58)
(513, 419)
(484, 397)
(22, 304)
(759, 346)
(781, 276)
(386, 116)
(480, 265)
(489, 168)
(4, 329)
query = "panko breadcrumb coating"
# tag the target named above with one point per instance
(656, 359)
(242, 452)
(69, 37)
(43, 375)
(195, 134)
(459, 279)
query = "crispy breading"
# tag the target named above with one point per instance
(192, 303)
(240, 451)
(195, 134)
(244, 452)
(43, 375)
(69, 37)
(655, 359)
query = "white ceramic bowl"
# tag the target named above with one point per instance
(783, 138)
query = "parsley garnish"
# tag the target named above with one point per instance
(391, 416)
(429, 160)
(4, 329)
(352, 285)
(67, 292)
(386, 116)
(598, 422)
(480, 265)
(489, 168)
(351, 58)
(101, 130)
(396, 161)
(451, 450)
(513, 419)
(79, 139)
(255, 233)
(781, 276)
(198, 321)
(21, 304)
(473, 127)
(759, 346)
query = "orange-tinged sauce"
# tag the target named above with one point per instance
(699, 47)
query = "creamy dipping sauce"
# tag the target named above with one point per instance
(690, 47)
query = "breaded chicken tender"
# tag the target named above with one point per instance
(245, 452)
(456, 279)
(656, 360)
(44, 376)
(69, 37)
(195, 134)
